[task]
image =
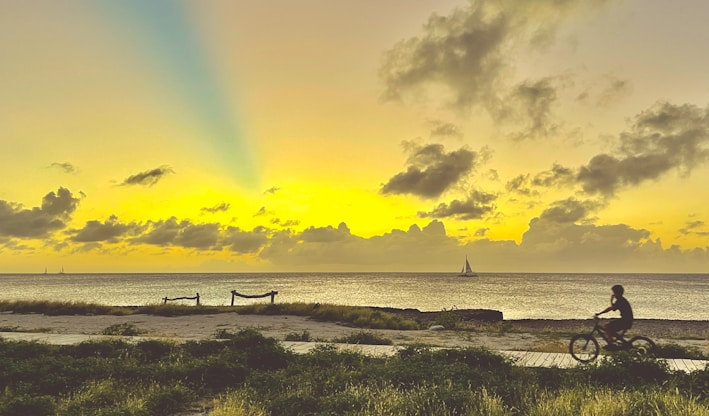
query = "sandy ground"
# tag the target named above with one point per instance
(522, 335)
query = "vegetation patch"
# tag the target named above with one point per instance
(364, 338)
(124, 329)
(248, 374)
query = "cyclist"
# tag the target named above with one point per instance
(621, 304)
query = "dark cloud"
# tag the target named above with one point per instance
(241, 241)
(183, 233)
(199, 236)
(149, 177)
(469, 51)
(697, 227)
(531, 102)
(570, 210)
(325, 234)
(37, 222)
(222, 207)
(109, 231)
(161, 233)
(285, 223)
(608, 93)
(481, 232)
(556, 176)
(431, 171)
(441, 129)
(328, 247)
(65, 166)
(461, 51)
(520, 185)
(476, 206)
(584, 247)
(664, 138)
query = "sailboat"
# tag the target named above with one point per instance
(467, 270)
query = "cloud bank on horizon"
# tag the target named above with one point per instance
(514, 165)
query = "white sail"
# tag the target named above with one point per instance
(467, 270)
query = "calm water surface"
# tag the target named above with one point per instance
(517, 295)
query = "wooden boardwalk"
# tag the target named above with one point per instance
(521, 358)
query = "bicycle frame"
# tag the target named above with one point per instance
(620, 336)
(584, 347)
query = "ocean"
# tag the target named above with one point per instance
(516, 295)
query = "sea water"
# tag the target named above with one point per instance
(516, 295)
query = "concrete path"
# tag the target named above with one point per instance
(521, 358)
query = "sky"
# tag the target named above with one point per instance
(395, 135)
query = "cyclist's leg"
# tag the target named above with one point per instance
(611, 329)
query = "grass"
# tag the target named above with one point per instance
(361, 317)
(247, 374)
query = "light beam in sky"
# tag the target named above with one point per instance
(168, 38)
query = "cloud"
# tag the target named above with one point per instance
(441, 129)
(556, 176)
(469, 52)
(183, 234)
(325, 234)
(661, 139)
(285, 223)
(696, 227)
(610, 92)
(520, 184)
(109, 231)
(476, 206)
(149, 177)
(570, 210)
(431, 171)
(338, 247)
(462, 51)
(241, 241)
(532, 102)
(65, 166)
(221, 207)
(37, 222)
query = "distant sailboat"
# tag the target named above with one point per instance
(467, 270)
(62, 271)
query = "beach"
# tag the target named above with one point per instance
(521, 335)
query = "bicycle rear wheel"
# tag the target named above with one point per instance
(584, 348)
(643, 346)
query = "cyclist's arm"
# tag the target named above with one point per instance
(610, 308)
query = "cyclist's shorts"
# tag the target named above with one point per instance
(616, 325)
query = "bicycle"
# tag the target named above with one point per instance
(585, 348)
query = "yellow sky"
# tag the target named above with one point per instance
(318, 135)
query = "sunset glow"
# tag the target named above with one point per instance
(403, 135)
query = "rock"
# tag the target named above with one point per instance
(436, 328)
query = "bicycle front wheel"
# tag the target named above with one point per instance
(643, 346)
(584, 348)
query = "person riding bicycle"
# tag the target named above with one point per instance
(621, 304)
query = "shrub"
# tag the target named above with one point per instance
(294, 336)
(673, 350)
(25, 405)
(124, 329)
(449, 319)
(364, 338)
